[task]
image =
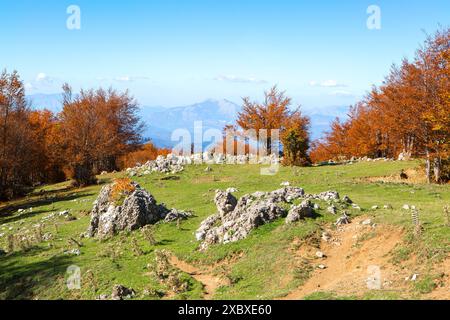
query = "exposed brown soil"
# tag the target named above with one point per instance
(442, 292)
(352, 254)
(205, 276)
(415, 176)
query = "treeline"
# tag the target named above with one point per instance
(97, 130)
(408, 115)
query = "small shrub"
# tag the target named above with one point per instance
(425, 285)
(176, 283)
(90, 281)
(148, 232)
(10, 242)
(447, 215)
(162, 268)
(136, 248)
(121, 188)
(416, 223)
(302, 272)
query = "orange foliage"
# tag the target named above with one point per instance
(409, 113)
(145, 153)
(122, 187)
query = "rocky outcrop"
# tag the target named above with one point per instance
(170, 164)
(120, 292)
(235, 219)
(173, 164)
(139, 208)
(225, 202)
(300, 212)
(250, 212)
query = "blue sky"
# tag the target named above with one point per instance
(179, 52)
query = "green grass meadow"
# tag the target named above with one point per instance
(259, 267)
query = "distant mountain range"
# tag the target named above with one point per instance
(215, 114)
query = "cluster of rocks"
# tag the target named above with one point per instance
(175, 163)
(353, 160)
(235, 219)
(119, 292)
(170, 164)
(139, 208)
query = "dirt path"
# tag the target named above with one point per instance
(352, 254)
(209, 281)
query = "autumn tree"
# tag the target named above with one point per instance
(275, 114)
(45, 132)
(269, 115)
(409, 113)
(143, 154)
(97, 127)
(16, 164)
(295, 140)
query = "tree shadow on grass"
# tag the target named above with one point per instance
(9, 214)
(22, 280)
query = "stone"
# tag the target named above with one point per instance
(250, 212)
(375, 208)
(285, 184)
(225, 202)
(344, 219)
(121, 292)
(329, 196)
(175, 215)
(414, 277)
(332, 209)
(321, 266)
(388, 207)
(347, 199)
(236, 218)
(300, 212)
(73, 252)
(316, 206)
(320, 254)
(326, 236)
(232, 190)
(406, 207)
(366, 222)
(208, 169)
(139, 208)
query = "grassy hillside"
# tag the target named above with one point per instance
(263, 266)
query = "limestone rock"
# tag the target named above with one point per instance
(300, 212)
(120, 292)
(225, 202)
(137, 210)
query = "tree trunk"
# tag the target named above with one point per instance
(428, 167)
(83, 174)
(437, 169)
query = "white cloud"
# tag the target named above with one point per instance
(43, 78)
(130, 78)
(43, 83)
(236, 79)
(327, 84)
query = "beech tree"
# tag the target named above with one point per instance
(97, 127)
(275, 113)
(409, 114)
(15, 142)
